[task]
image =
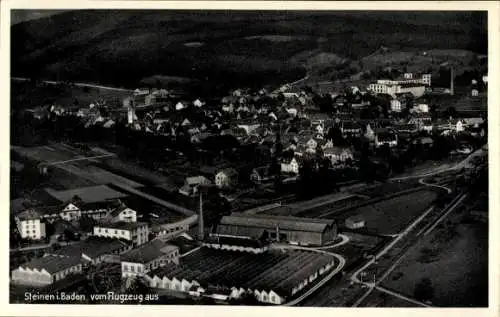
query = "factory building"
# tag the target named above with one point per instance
(46, 270)
(293, 230)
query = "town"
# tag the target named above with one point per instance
(297, 195)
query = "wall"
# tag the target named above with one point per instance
(30, 277)
(26, 228)
(132, 269)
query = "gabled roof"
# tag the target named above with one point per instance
(120, 225)
(51, 263)
(196, 180)
(29, 215)
(148, 252)
(229, 172)
(93, 247)
(336, 150)
(272, 222)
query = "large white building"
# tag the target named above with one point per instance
(425, 79)
(30, 225)
(137, 232)
(416, 90)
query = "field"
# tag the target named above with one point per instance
(390, 216)
(25, 95)
(459, 245)
(238, 48)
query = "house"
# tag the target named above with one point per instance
(474, 92)
(338, 155)
(121, 214)
(458, 125)
(30, 225)
(198, 103)
(227, 178)
(350, 129)
(192, 184)
(137, 232)
(290, 166)
(473, 121)
(405, 128)
(477, 131)
(395, 105)
(422, 107)
(249, 127)
(261, 175)
(148, 257)
(46, 270)
(385, 136)
(166, 229)
(355, 222)
(109, 124)
(228, 108)
(141, 91)
(180, 106)
(426, 142)
(420, 120)
(369, 133)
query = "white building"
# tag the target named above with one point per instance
(148, 257)
(474, 93)
(395, 105)
(137, 232)
(354, 222)
(226, 178)
(46, 270)
(30, 226)
(290, 166)
(423, 107)
(338, 155)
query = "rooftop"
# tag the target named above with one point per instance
(92, 247)
(121, 225)
(52, 263)
(271, 222)
(148, 252)
(89, 194)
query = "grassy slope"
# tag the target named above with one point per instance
(121, 47)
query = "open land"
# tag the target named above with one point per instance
(458, 245)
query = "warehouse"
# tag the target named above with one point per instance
(293, 230)
(46, 270)
(273, 277)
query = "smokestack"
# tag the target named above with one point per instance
(452, 86)
(201, 227)
(278, 233)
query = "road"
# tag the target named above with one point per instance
(462, 164)
(90, 158)
(51, 82)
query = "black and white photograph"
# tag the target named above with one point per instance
(305, 158)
